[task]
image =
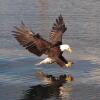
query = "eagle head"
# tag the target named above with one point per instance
(65, 47)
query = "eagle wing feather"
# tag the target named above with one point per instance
(57, 31)
(31, 41)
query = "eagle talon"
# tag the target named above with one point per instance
(69, 64)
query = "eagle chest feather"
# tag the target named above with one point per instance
(53, 52)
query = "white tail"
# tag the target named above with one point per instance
(45, 61)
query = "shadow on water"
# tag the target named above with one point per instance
(52, 89)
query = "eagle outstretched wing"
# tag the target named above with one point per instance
(31, 41)
(57, 31)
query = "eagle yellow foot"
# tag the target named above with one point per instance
(69, 64)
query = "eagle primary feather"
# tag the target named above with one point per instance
(57, 31)
(31, 41)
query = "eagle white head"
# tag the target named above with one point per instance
(65, 47)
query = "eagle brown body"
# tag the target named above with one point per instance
(35, 44)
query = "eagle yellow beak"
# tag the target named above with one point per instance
(70, 50)
(69, 64)
(69, 78)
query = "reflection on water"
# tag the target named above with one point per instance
(18, 75)
(53, 89)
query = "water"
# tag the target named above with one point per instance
(17, 69)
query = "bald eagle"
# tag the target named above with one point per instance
(53, 48)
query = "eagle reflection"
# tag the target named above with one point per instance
(52, 89)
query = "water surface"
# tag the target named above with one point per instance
(17, 69)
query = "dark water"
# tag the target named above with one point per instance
(17, 69)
